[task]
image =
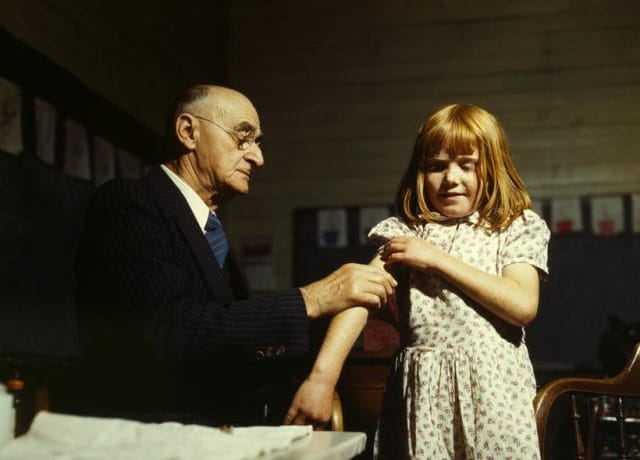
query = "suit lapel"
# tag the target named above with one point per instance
(173, 202)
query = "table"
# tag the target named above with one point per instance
(324, 445)
(53, 436)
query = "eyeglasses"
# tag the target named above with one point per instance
(244, 141)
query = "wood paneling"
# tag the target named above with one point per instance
(137, 54)
(342, 87)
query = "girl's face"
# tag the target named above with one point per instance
(452, 183)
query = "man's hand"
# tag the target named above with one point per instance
(349, 286)
(312, 404)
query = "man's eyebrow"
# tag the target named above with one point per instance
(245, 126)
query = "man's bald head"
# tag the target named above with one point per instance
(218, 100)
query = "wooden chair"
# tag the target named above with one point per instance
(337, 421)
(588, 410)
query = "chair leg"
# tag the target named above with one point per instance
(575, 415)
(337, 421)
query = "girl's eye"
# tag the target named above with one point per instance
(434, 167)
(468, 166)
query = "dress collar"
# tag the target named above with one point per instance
(472, 218)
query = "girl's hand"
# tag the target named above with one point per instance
(312, 404)
(411, 251)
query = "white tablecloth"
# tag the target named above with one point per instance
(67, 437)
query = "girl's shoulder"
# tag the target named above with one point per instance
(390, 228)
(529, 222)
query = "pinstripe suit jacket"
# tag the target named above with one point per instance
(163, 330)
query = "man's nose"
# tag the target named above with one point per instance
(254, 155)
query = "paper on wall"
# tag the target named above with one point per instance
(45, 131)
(566, 215)
(76, 151)
(332, 228)
(607, 215)
(10, 117)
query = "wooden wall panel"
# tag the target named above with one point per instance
(342, 87)
(136, 54)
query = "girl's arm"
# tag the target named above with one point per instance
(513, 295)
(313, 401)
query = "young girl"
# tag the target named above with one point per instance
(468, 254)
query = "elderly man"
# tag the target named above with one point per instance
(168, 329)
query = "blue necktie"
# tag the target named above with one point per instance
(217, 239)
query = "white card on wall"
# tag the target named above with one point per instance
(10, 117)
(45, 131)
(332, 228)
(566, 215)
(258, 262)
(607, 215)
(76, 151)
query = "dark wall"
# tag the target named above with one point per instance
(40, 221)
(590, 279)
(41, 209)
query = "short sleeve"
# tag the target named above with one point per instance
(388, 229)
(526, 241)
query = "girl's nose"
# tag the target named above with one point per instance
(452, 174)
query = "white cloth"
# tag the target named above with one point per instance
(68, 437)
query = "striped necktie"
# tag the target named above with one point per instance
(217, 239)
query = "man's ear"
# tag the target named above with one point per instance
(185, 132)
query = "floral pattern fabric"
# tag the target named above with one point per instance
(461, 385)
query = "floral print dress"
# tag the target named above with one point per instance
(461, 385)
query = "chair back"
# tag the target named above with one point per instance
(588, 418)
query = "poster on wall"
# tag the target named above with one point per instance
(370, 216)
(566, 215)
(332, 228)
(10, 117)
(258, 262)
(607, 215)
(104, 162)
(76, 151)
(45, 131)
(129, 165)
(635, 212)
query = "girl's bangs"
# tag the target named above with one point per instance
(454, 136)
(458, 139)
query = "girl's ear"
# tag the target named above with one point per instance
(185, 131)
